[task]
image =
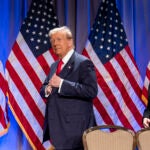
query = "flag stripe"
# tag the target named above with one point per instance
(26, 126)
(55, 57)
(21, 89)
(145, 91)
(132, 72)
(2, 117)
(102, 112)
(104, 104)
(26, 66)
(120, 80)
(109, 94)
(25, 110)
(98, 117)
(146, 85)
(29, 57)
(44, 64)
(4, 120)
(2, 83)
(46, 59)
(34, 91)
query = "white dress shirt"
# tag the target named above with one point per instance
(65, 60)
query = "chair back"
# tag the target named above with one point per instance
(143, 139)
(109, 137)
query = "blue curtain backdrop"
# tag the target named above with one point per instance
(79, 16)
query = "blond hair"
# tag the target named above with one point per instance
(63, 29)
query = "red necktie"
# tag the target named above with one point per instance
(59, 67)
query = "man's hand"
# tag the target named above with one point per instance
(48, 90)
(146, 122)
(55, 81)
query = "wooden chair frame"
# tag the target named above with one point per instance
(115, 127)
(138, 134)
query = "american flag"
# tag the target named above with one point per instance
(119, 82)
(146, 84)
(26, 69)
(4, 121)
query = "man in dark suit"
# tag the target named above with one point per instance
(146, 114)
(69, 94)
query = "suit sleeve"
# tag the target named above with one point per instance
(86, 87)
(42, 89)
(147, 110)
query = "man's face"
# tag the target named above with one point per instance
(60, 44)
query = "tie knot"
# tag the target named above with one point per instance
(61, 62)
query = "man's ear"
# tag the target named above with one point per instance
(70, 43)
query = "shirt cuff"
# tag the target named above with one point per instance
(46, 95)
(61, 81)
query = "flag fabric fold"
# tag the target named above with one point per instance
(4, 121)
(26, 69)
(119, 81)
(146, 85)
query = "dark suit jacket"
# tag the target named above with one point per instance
(147, 110)
(70, 112)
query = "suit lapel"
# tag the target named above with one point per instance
(68, 67)
(53, 69)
